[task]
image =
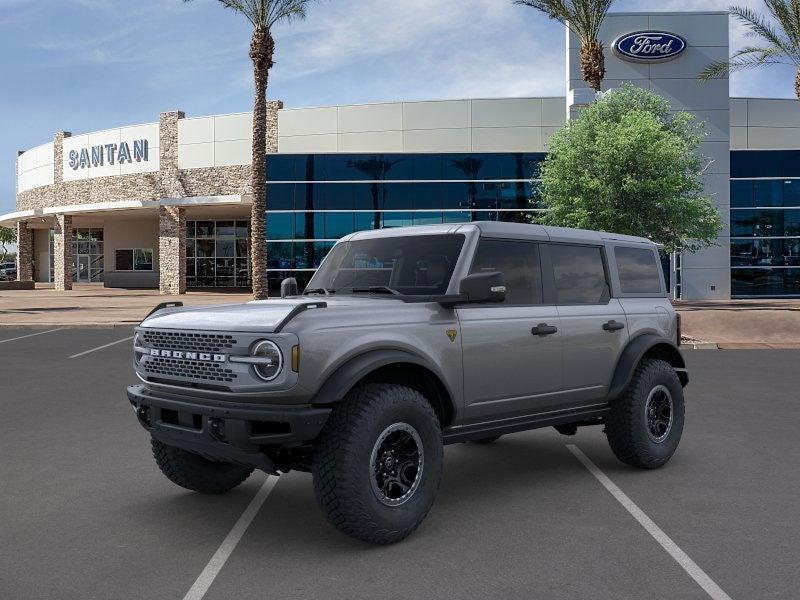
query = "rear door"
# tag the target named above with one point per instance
(511, 351)
(593, 324)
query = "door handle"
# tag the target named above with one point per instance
(613, 325)
(543, 329)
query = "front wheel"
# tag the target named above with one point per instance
(378, 463)
(645, 425)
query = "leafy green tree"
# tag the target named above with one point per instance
(8, 236)
(628, 165)
(263, 15)
(584, 18)
(778, 37)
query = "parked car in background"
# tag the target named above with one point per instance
(8, 271)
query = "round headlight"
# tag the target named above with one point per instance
(271, 361)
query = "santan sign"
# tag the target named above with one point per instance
(97, 156)
(649, 46)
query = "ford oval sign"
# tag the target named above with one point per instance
(649, 46)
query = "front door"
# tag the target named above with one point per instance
(511, 351)
(83, 268)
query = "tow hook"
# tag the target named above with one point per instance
(143, 414)
(217, 429)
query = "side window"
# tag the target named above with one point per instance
(638, 270)
(519, 264)
(580, 277)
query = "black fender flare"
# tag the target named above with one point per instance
(353, 370)
(632, 355)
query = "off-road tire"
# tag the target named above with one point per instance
(627, 426)
(342, 462)
(487, 440)
(193, 472)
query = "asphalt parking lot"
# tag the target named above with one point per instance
(85, 513)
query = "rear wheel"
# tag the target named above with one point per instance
(193, 472)
(645, 425)
(378, 462)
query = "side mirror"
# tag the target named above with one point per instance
(483, 287)
(289, 287)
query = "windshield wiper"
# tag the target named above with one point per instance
(323, 291)
(375, 289)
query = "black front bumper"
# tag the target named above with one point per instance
(224, 431)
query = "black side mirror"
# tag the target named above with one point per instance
(483, 287)
(289, 287)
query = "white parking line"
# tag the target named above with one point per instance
(130, 337)
(22, 337)
(214, 566)
(688, 565)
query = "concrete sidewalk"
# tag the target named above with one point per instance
(92, 305)
(737, 324)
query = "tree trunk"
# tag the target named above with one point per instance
(593, 64)
(797, 84)
(262, 48)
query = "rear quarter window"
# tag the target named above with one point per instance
(638, 271)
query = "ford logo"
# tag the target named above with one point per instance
(649, 46)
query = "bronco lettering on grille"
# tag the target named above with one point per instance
(203, 356)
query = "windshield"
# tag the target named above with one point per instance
(415, 265)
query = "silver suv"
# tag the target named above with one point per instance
(406, 340)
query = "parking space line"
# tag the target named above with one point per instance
(214, 566)
(79, 354)
(22, 337)
(688, 565)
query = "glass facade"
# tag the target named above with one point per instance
(217, 254)
(765, 223)
(315, 199)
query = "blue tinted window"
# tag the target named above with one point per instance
(309, 196)
(280, 226)
(741, 194)
(339, 196)
(281, 167)
(791, 223)
(366, 221)
(455, 195)
(514, 195)
(309, 226)
(463, 166)
(280, 196)
(456, 216)
(742, 164)
(426, 166)
(427, 218)
(338, 224)
(397, 219)
(742, 223)
(768, 164)
(791, 193)
(427, 195)
(765, 282)
(366, 196)
(758, 253)
(396, 196)
(769, 193)
(280, 255)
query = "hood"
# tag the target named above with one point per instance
(259, 316)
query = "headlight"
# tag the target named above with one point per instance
(271, 360)
(137, 343)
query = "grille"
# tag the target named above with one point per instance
(188, 369)
(197, 342)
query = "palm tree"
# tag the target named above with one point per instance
(262, 15)
(780, 41)
(584, 19)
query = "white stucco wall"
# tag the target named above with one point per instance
(35, 167)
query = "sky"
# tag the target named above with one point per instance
(86, 65)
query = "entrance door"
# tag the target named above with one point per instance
(83, 268)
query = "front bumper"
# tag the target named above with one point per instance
(229, 432)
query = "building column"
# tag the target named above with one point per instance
(171, 250)
(24, 252)
(62, 251)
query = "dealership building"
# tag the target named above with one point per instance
(167, 204)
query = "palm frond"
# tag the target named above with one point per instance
(745, 58)
(263, 14)
(759, 26)
(583, 17)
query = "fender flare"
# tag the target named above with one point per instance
(634, 352)
(353, 370)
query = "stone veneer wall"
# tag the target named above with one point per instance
(62, 250)
(172, 250)
(24, 252)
